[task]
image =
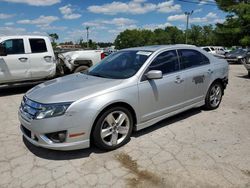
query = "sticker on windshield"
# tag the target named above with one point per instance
(144, 53)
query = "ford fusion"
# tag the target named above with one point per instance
(129, 90)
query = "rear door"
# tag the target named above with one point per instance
(41, 58)
(161, 96)
(197, 73)
(14, 66)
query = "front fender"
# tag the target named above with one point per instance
(86, 111)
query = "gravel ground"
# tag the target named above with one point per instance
(194, 149)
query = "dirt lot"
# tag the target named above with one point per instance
(194, 149)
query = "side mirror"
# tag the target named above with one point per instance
(154, 74)
(3, 51)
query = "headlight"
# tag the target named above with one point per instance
(52, 110)
(239, 57)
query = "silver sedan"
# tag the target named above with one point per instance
(129, 90)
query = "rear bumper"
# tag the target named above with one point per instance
(225, 82)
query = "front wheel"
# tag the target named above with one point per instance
(214, 96)
(113, 128)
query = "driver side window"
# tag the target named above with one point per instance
(14, 46)
(167, 62)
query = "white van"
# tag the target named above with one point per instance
(26, 58)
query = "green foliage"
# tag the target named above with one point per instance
(236, 29)
(53, 37)
(197, 35)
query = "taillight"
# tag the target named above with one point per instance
(102, 55)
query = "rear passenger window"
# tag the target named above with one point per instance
(14, 46)
(192, 58)
(166, 62)
(38, 45)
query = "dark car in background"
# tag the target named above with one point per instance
(237, 56)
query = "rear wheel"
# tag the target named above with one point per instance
(113, 128)
(214, 96)
(81, 69)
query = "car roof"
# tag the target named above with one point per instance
(21, 36)
(154, 48)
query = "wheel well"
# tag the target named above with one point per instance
(83, 62)
(120, 104)
(223, 82)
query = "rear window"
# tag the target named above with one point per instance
(191, 58)
(38, 45)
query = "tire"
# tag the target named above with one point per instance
(114, 135)
(249, 74)
(214, 96)
(59, 70)
(81, 69)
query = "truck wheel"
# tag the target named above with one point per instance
(81, 69)
(214, 96)
(59, 70)
(113, 128)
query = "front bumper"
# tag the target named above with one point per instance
(35, 132)
(232, 60)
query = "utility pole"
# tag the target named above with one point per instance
(87, 28)
(188, 14)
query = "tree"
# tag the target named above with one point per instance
(161, 37)
(176, 35)
(236, 29)
(195, 35)
(54, 37)
(208, 36)
(129, 38)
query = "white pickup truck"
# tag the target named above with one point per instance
(25, 58)
(77, 61)
(31, 58)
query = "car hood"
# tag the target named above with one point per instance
(71, 88)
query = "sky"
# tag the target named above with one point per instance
(105, 18)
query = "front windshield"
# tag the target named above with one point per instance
(120, 65)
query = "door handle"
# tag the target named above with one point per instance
(47, 58)
(178, 80)
(23, 59)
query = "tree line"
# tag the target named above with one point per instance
(197, 35)
(235, 31)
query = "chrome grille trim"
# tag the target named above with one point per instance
(29, 108)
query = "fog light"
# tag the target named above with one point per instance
(57, 137)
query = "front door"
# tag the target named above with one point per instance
(162, 96)
(15, 65)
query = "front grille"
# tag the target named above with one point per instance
(29, 108)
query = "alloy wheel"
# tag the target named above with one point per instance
(215, 95)
(115, 128)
